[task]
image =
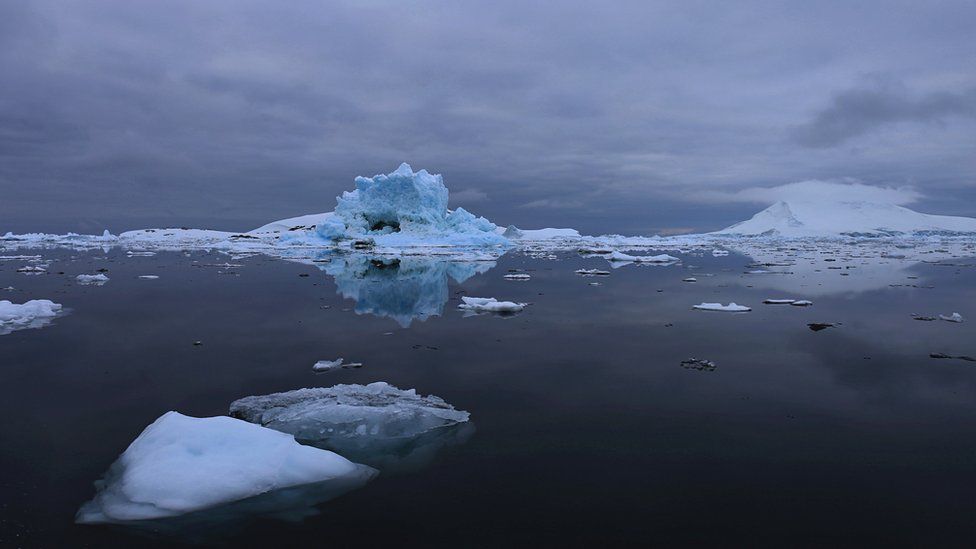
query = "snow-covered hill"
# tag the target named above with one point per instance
(802, 219)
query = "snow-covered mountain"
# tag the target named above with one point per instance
(802, 219)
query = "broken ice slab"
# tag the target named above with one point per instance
(376, 424)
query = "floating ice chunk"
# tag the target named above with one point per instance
(517, 276)
(802, 303)
(32, 270)
(779, 301)
(377, 424)
(592, 272)
(326, 365)
(699, 364)
(35, 313)
(689, 279)
(329, 365)
(490, 305)
(662, 258)
(731, 307)
(182, 464)
(720, 253)
(95, 279)
(148, 277)
(954, 317)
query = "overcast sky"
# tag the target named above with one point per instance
(630, 117)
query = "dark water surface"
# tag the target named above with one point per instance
(588, 429)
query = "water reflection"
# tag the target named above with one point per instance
(824, 268)
(402, 288)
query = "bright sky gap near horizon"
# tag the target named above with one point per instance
(636, 120)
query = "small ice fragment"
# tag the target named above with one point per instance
(719, 253)
(517, 276)
(592, 272)
(32, 269)
(779, 301)
(326, 365)
(490, 305)
(689, 279)
(802, 303)
(954, 317)
(698, 364)
(149, 277)
(731, 307)
(95, 279)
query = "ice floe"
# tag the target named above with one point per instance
(92, 280)
(794, 302)
(731, 307)
(182, 464)
(330, 365)
(591, 272)
(954, 317)
(622, 257)
(377, 424)
(35, 313)
(489, 305)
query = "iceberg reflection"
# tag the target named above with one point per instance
(404, 288)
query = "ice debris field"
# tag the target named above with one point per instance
(392, 245)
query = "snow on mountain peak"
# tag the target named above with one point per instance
(835, 216)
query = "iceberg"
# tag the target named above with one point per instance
(399, 209)
(377, 424)
(181, 465)
(35, 313)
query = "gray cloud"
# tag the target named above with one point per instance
(230, 113)
(858, 111)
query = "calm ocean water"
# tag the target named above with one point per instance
(587, 429)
